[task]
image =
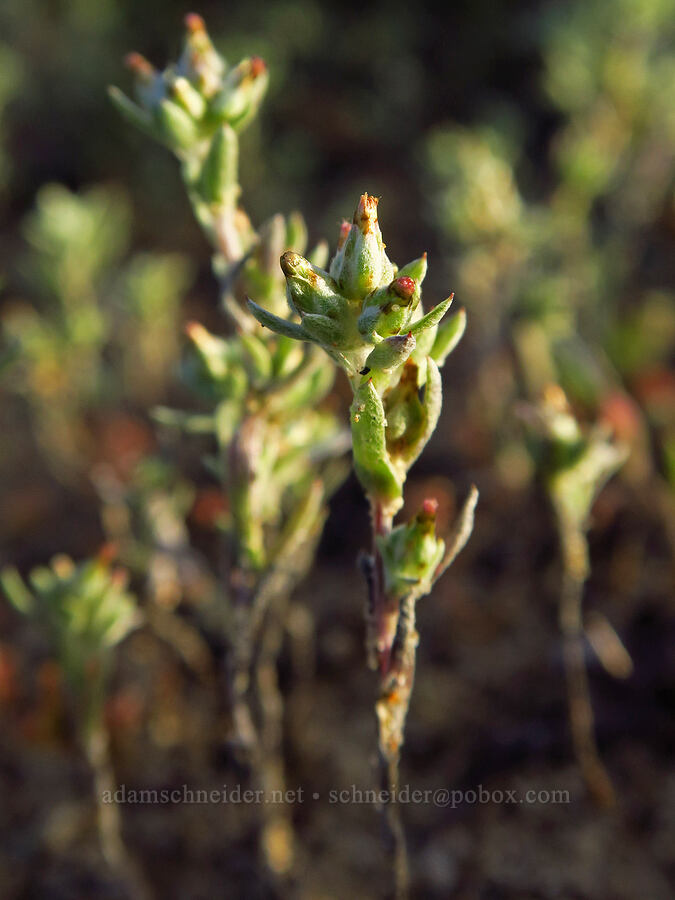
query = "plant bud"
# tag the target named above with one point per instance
(364, 264)
(242, 93)
(149, 86)
(411, 553)
(388, 310)
(387, 357)
(200, 62)
(310, 289)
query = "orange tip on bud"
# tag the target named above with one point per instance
(366, 213)
(258, 66)
(194, 22)
(139, 65)
(345, 228)
(194, 330)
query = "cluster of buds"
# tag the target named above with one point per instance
(367, 315)
(261, 391)
(86, 610)
(190, 100)
(196, 107)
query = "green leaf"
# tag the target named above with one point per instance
(130, 111)
(433, 317)
(277, 324)
(218, 178)
(371, 459)
(448, 336)
(15, 588)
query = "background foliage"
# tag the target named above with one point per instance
(529, 147)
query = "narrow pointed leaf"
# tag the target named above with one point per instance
(277, 324)
(448, 336)
(433, 317)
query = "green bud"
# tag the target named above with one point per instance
(200, 62)
(411, 553)
(388, 310)
(242, 93)
(188, 97)
(149, 85)
(310, 289)
(371, 458)
(364, 265)
(387, 357)
(336, 262)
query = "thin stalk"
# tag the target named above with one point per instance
(575, 570)
(108, 820)
(390, 714)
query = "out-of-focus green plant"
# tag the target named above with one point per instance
(86, 612)
(98, 325)
(569, 268)
(275, 447)
(566, 272)
(367, 315)
(575, 463)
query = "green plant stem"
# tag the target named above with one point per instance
(109, 824)
(391, 705)
(575, 571)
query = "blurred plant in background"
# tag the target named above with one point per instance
(86, 612)
(100, 327)
(275, 447)
(571, 275)
(575, 463)
(570, 268)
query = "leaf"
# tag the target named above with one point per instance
(17, 593)
(130, 111)
(277, 324)
(448, 336)
(433, 317)
(371, 459)
(461, 533)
